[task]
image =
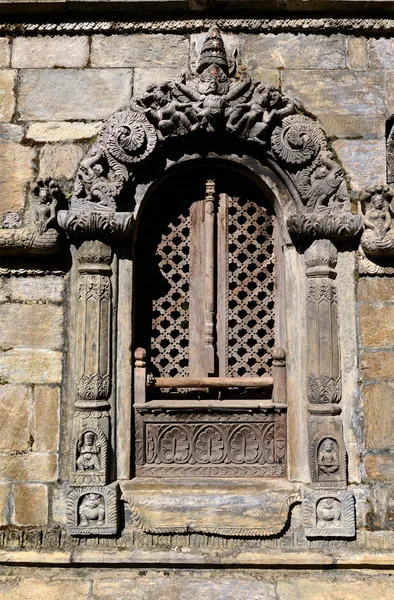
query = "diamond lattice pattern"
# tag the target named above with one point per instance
(251, 317)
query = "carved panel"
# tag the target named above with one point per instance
(92, 511)
(328, 455)
(329, 514)
(208, 444)
(89, 449)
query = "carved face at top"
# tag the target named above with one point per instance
(328, 445)
(89, 438)
(378, 202)
(92, 500)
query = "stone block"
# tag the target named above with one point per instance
(41, 588)
(31, 504)
(145, 77)
(4, 52)
(381, 53)
(184, 588)
(48, 95)
(364, 162)
(336, 92)
(357, 53)
(354, 127)
(15, 403)
(30, 365)
(57, 131)
(45, 52)
(35, 289)
(140, 50)
(34, 466)
(320, 588)
(31, 326)
(7, 99)
(378, 416)
(380, 467)
(376, 289)
(294, 51)
(376, 325)
(46, 418)
(59, 505)
(60, 161)
(390, 92)
(377, 365)
(4, 487)
(10, 133)
(16, 171)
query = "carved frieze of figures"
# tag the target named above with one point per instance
(89, 457)
(92, 511)
(329, 513)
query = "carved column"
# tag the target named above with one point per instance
(92, 507)
(328, 511)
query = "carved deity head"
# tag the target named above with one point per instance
(91, 500)
(377, 199)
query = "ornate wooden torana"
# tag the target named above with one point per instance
(216, 115)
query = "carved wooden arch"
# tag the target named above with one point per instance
(166, 125)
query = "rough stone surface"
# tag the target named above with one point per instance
(357, 53)
(28, 588)
(145, 77)
(10, 133)
(291, 51)
(320, 589)
(7, 100)
(14, 417)
(390, 92)
(377, 365)
(33, 466)
(31, 504)
(46, 418)
(380, 467)
(381, 53)
(4, 488)
(30, 289)
(4, 52)
(364, 161)
(354, 127)
(61, 132)
(60, 161)
(48, 52)
(378, 401)
(336, 92)
(72, 93)
(234, 588)
(377, 325)
(140, 50)
(16, 171)
(30, 365)
(376, 289)
(32, 326)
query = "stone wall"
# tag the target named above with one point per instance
(55, 91)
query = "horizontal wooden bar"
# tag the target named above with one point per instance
(211, 382)
(216, 405)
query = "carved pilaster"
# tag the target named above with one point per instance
(327, 513)
(92, 507)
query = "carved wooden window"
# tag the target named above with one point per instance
(207, 289)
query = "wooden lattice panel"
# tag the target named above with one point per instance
(251, 288)
(170, 326)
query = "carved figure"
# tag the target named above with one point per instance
(91, 185)
(89, 450)
(328, 512)
(91, 510)
(376, 206)
(170, 115)
(327, 458)
(44, 204)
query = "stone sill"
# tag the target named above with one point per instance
(160, 558)
(144, 9)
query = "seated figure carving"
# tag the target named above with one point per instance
(91, 510)
(89, 450)
(378, 236)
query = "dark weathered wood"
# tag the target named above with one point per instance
(212, 382)
(140, 375)
(216, 405)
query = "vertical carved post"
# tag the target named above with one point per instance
(210, 275)
(279, 375)
(91, 422)
(140, 375)
(326, 507)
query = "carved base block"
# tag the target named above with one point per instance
(92, 511)
(89, 449)
(239, 507)
(329, 514)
